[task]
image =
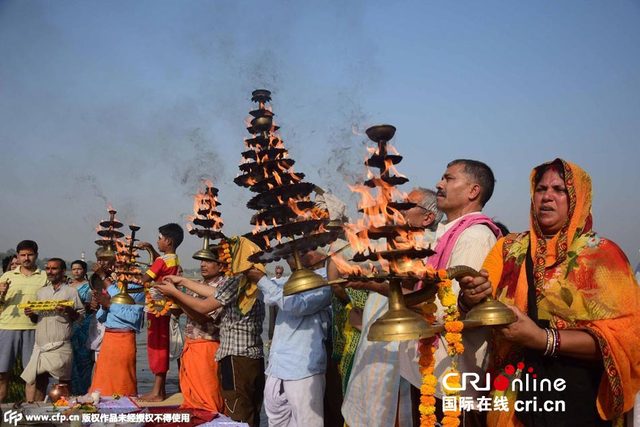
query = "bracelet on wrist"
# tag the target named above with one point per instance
(556, 343)
(553, 342)
(549, 341)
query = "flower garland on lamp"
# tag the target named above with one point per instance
(427, 348)
(453, 336)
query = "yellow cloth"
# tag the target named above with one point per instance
(21, 290)
(241, 249)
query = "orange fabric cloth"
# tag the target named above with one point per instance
(116, 366)
(199, 375)
(583, 282)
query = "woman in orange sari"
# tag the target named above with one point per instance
(577, 307)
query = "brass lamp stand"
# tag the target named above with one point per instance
(109, 234)
(285, 212)
(399, 323)
(123, 296)
(208, 218)
(302, 279)
(205, 254)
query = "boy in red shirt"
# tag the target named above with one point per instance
(169, 239)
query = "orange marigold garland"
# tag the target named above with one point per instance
(157, 307)
(224, 254)
(156, 303)
(426, 347)
(453, 336)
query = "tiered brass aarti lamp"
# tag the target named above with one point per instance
(207, 221)
(130, 271)
(401, 323)
(108, 230)
(285, 209)
(382, 220)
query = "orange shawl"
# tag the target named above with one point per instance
(582, 281)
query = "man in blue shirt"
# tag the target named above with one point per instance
(294, 388)
(280, 279)
(122, 322)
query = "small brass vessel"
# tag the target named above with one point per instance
(57, 391)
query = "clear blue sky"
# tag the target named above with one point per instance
(133, 102)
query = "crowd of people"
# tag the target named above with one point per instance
(573, 293)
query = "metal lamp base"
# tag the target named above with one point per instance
(303, 280)
(491, 313)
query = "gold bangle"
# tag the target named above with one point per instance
(550, 342)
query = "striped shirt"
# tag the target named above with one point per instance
(239, 334)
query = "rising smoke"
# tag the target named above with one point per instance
(200, 161)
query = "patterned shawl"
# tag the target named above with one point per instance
(582, 281)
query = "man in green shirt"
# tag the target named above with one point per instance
(17, 332)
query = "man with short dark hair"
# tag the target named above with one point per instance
(240, 355)
(465, 238)
(198, 368)
(52, 353)
(480, 174)
(462, 192)
(17, 332)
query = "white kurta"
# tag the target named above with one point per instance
(471, 248)
(371, 398)
(52, 352)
